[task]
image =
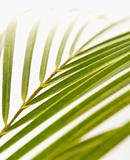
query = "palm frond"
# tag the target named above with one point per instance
(95, 81)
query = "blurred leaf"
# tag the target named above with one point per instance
(46, 53)
(72, 49)
(1, 43)
(63, 43)
(93, 148)
(109, 27)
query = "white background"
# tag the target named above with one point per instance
(27, 12)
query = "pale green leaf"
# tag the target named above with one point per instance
(28, 60)
(72, 49)
(46, 53)
(1, 43)
(63, 43)
(7, 67)
(109, 27)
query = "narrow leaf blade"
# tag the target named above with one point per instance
(7, 68)
(28, 60)
(46, 53)
(72, 49)
(63, 43)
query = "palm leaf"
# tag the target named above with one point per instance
(63, 43)
(7, 68)
(27, 60)
(96, 78)
(77, 38)
(46, 54)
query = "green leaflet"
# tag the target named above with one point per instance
(7, 68)
(46, 53)
(72, 49)
(28, 60)
(79, 109)
(102, 32)
(63, 43)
